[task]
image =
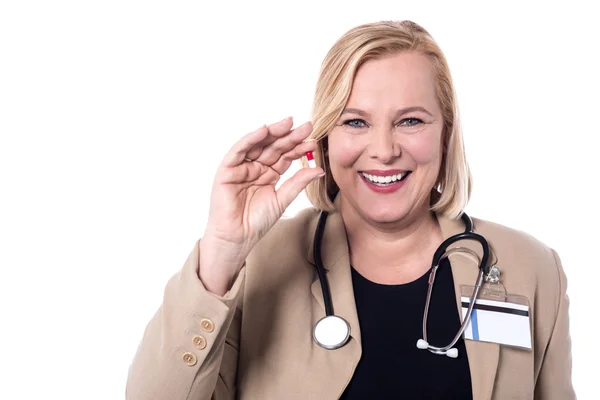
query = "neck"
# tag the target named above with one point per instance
(392, 253)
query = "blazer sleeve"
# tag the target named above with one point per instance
(189, 349)
(554, 378)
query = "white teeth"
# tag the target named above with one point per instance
(384, 179)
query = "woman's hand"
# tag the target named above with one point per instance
(244, 203)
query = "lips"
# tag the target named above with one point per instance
(384, 181)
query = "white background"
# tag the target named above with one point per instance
(115, 114)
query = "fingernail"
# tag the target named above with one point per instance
(311, 159)
(285, 119)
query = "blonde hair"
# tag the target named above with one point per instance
(374, 40)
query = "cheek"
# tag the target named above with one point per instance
(425, 149)
(344, 151)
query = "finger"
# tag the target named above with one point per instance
(297, 152)
(251, 145)
(291, 188)
(239, 151)
(247, 174)
(276, 130)
(251, 171)
(273, 152)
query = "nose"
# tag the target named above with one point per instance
(384, 146)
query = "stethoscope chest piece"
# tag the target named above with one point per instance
(331, 332)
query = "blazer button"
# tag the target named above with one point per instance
(207, 325)
(189, 359)
(199, 342)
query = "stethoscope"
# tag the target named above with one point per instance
(332, 331)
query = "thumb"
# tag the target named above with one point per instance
(291, 188)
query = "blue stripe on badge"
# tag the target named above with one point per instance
(474, 325)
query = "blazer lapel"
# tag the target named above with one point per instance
(483, 356)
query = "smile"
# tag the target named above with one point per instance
(385, 180)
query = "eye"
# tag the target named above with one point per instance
(354, 123)
(410, 122)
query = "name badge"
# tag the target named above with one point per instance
(505, 322)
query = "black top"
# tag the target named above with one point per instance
(391, 320)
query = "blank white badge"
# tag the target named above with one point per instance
(500, 322)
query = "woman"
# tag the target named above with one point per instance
(237, 321)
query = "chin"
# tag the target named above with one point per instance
(384, 213)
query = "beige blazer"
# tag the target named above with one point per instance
(256, 341)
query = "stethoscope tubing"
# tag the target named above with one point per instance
(319, 264)
(440, 252)
(463, 326)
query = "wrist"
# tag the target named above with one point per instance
(219, 265)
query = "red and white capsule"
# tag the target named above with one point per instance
(311, 159)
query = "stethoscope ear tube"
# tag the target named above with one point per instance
(483, 269)
(448, 350)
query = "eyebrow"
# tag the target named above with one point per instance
(401, 111)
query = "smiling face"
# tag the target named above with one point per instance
(386, 149)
